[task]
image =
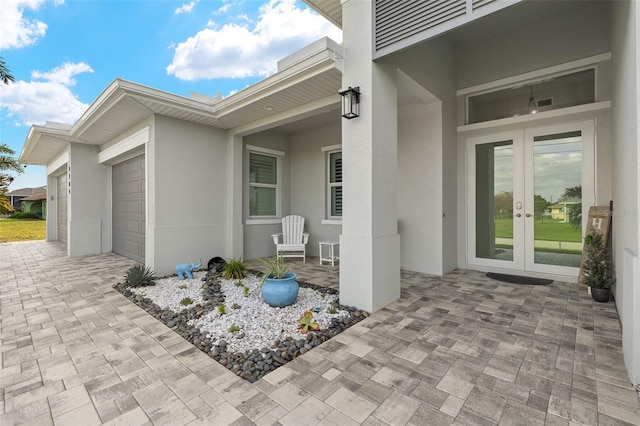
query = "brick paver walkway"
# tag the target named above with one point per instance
(456, 349)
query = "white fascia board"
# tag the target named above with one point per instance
(128, 144)
(56, 164)
(318, 46)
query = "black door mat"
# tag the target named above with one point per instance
(516, 279)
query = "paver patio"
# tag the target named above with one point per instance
(459, 349)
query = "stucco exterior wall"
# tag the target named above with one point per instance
(419, 192)
(438, 78)
(187, 219)
(578, 32)
(626, 178)
(88, 201)
(309, 182)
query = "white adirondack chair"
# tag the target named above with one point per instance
(294, 239)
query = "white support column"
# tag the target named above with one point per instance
(370, 243)
(235, 230)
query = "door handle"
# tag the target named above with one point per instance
(528, 215)
(518, 215)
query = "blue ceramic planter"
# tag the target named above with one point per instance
(280, 292)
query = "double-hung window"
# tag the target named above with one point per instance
(334, 185)
(263, 185)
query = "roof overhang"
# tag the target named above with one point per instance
(330, 9)
(309, 75)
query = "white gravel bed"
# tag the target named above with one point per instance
(260, 324)
(169, 292)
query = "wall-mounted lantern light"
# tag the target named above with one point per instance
(350, 102)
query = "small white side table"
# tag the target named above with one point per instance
(332, 257)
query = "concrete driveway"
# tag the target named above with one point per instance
(458, 349)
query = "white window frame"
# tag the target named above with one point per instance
(278, 155)
(328, 150)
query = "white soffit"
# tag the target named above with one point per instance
(329, 9)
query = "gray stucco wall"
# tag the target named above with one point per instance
(309, 182)
(88, 213)
(188, 216)
(626, 178)
(438, 78)
(575, 33)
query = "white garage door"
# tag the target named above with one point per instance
(128, 189)
(63, 190)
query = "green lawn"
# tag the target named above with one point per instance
(12, 230)
(548, 231)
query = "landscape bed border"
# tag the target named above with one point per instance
(250, 365)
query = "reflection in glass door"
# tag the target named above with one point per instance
(494, 200)
(554, 216)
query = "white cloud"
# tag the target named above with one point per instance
(246, 50)
(36, 102)
(186, 8)
(16, 30)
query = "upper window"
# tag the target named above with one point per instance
(334, 186)
(263, 185)
(563, 91)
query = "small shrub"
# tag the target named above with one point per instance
(186, 301)
(234, 328)
(139, 276)
(222, 309)
(20, 215)
(235, 269)
(246, 291)
(332, 309)
(235, 306)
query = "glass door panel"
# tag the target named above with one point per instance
(495, 208)
(554, 199)
(494, 200)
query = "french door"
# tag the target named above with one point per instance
(528, 191)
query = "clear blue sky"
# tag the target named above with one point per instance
(64, 53)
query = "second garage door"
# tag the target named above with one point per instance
(129, 218)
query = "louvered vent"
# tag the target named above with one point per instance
(397, 20)
(477, 4)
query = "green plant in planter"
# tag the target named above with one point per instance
(235, 269)
(186, 301)
(332, 309)
(222, 309)
(234, 328)
(246, 291)
(139, 276)
(307, 323)
(274, 268)
(597, 270)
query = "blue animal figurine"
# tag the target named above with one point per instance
(187, 269)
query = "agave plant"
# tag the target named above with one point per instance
(307, 323)
(139, 276)
(274, 268)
